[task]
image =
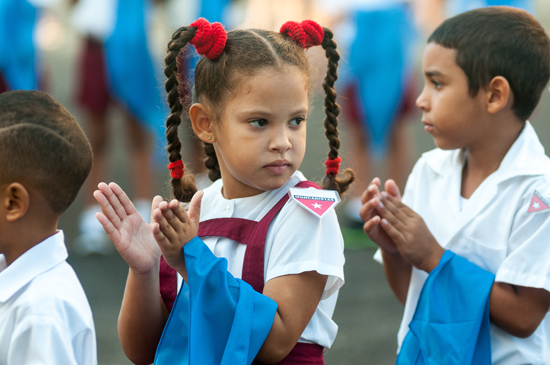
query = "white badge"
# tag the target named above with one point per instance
(316, 201)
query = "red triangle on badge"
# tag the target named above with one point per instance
(316, 206)
(537, 204)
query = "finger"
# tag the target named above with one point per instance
(109, 228)
(367, 209)
(392, 188)
(173, 220)
(178, 210)
(164, 226)
(114, 200)
(388, 215)
(395, 235)
(396, 206)
(154, 205)
(370, 225)
(194, 211)
(107, 208)
(161, 239)
(370, 192)
(126, 203)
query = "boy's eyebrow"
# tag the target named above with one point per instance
(433, 73)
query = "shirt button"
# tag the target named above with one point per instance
(227, 208)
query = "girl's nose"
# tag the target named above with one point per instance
(280, 140)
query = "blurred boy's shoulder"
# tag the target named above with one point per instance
(42, 296)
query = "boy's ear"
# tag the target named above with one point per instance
(15, 201)
(498, 94)
(201, 121)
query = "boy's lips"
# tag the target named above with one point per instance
(428, 127)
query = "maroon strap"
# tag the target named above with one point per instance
(302, 353)
(245, 231)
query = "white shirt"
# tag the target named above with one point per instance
(44, 314)
(296, 242)
(493, 230)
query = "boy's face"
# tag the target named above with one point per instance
(450, 114)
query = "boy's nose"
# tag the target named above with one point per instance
(421, 101)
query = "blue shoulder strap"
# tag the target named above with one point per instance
(451, 322)
(216, 319)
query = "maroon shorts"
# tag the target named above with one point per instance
(303, 354)
(93, 90)
(3, 84)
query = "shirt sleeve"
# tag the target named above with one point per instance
(528, 261)
(300, 242)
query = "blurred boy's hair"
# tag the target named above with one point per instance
(42, 147)
(500, 41)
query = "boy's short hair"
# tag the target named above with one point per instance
(500, 41)
(42, 146)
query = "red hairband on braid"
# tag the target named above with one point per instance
(307, 33)
(176, 169)
(209, 40)
(333, 166)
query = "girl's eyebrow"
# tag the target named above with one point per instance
(268, 113)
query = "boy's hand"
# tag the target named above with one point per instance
(409, 232)
(174, 227)
(370, 215)
(126, 228)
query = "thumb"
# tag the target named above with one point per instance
(392, 189)
(194, 211)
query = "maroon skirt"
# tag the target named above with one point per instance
(302, 354)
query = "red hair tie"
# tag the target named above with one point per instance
(176, 169)
(333, 166)
(209, 40)
(307, 33)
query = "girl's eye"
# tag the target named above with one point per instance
(297, 121)
(258, 123)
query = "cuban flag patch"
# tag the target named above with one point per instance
(315, 201)
(538, 203)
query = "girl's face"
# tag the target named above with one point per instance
(260, 139)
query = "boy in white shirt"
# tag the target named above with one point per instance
(485, 193)
(44, 157)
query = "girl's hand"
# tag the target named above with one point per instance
(410, 234)
(126, 228)
(173, 227)
(370, 215)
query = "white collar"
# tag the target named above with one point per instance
(525, 157)
(37, 260)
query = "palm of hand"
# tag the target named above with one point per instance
(136, 243)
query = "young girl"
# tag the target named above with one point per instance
(250, 106)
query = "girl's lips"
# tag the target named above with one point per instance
(278, 167)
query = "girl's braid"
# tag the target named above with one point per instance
(183, 189)
(332, 109)
(211, 162)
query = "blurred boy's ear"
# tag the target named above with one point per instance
(499, 94)
(15, 201)
(201, 121)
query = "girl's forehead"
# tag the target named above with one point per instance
(272, 88)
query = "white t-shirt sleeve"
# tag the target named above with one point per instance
(528, 261)
(298, 242)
